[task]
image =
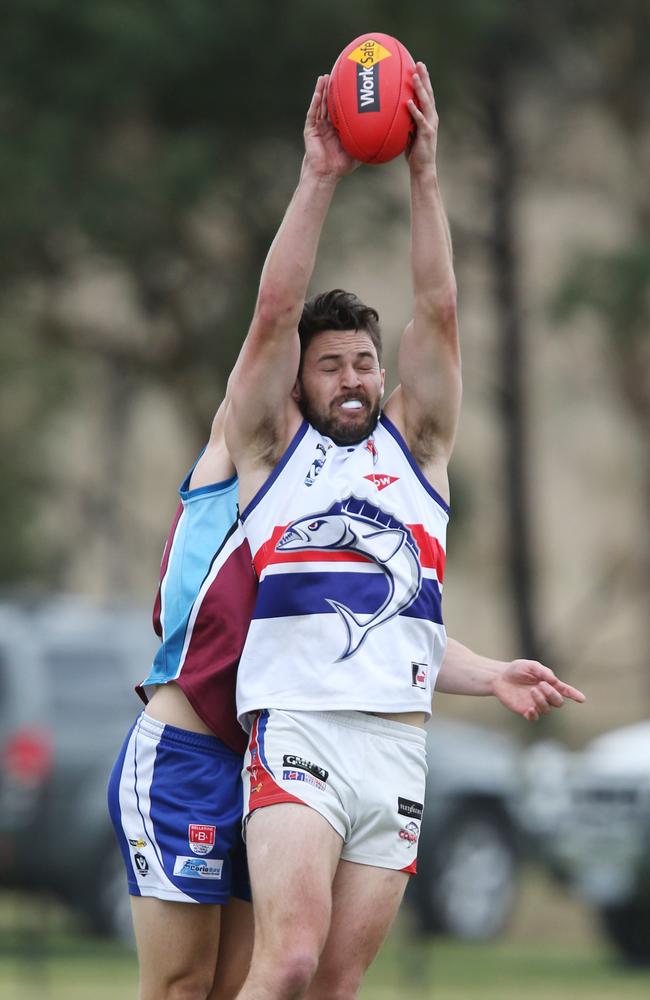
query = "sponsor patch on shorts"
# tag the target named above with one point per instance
(407, 807)
(290, 760)
(198, 867)
(303, 776)
(141, 864)
(201, 838)
(409, 834)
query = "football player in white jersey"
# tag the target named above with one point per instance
(319, 918)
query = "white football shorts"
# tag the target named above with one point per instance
(366, 775)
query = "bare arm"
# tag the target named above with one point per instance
(526, 687)
(215, 464)
(427, 404)
(261, 382)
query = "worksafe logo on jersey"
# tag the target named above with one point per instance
(420, 672)
(193, 868)
(138, 843)
(290, 760)
(381, 482)
(407, 807)
(201, 837)
(367, 56)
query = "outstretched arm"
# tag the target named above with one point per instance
(261, 382)
(526, 687)
(427, 404)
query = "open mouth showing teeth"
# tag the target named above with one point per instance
(351, 404)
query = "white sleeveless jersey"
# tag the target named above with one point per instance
(348, 544)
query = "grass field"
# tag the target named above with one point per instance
(551, 952)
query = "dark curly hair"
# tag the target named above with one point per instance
(337, 310)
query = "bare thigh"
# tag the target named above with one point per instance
(292, 857)
(235, 949)
(178, 947)
(365, 901)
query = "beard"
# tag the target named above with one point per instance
(331, 424)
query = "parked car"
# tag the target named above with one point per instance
(590, 814)
(66, 701)
(471, 843)
(67, 672)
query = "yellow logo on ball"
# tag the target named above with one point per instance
(369, 53)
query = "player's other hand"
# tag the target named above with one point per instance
(324, 154)
(421, 152)
(530, 689)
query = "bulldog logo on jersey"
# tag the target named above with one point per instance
(357, 526)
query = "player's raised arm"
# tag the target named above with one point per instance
(427, 404)
(267, 366)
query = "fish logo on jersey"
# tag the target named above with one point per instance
(357, 526)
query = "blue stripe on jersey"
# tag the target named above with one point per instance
(208, 515)
(284, 594)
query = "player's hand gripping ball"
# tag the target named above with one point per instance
(369, 90)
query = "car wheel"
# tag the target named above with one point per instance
(467, 875)
(628, 926)
(109, 908)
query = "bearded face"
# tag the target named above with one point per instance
(341, 385)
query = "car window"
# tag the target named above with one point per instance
(87, 678)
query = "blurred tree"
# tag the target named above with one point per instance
(615, 286)
(496, 53)
(155, 145)
(495, 48)
(152, 145)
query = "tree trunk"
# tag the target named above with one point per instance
(512, 398)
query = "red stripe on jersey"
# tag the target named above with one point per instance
(432, 554)
(157, 607)
(412, 868)
(266, 554)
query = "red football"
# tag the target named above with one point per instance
(370, 85)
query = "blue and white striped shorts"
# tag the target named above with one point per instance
(175, 799)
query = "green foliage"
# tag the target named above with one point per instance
(616, 287)
(124, 121)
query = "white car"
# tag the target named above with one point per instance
(590, 814)
(471, 839)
